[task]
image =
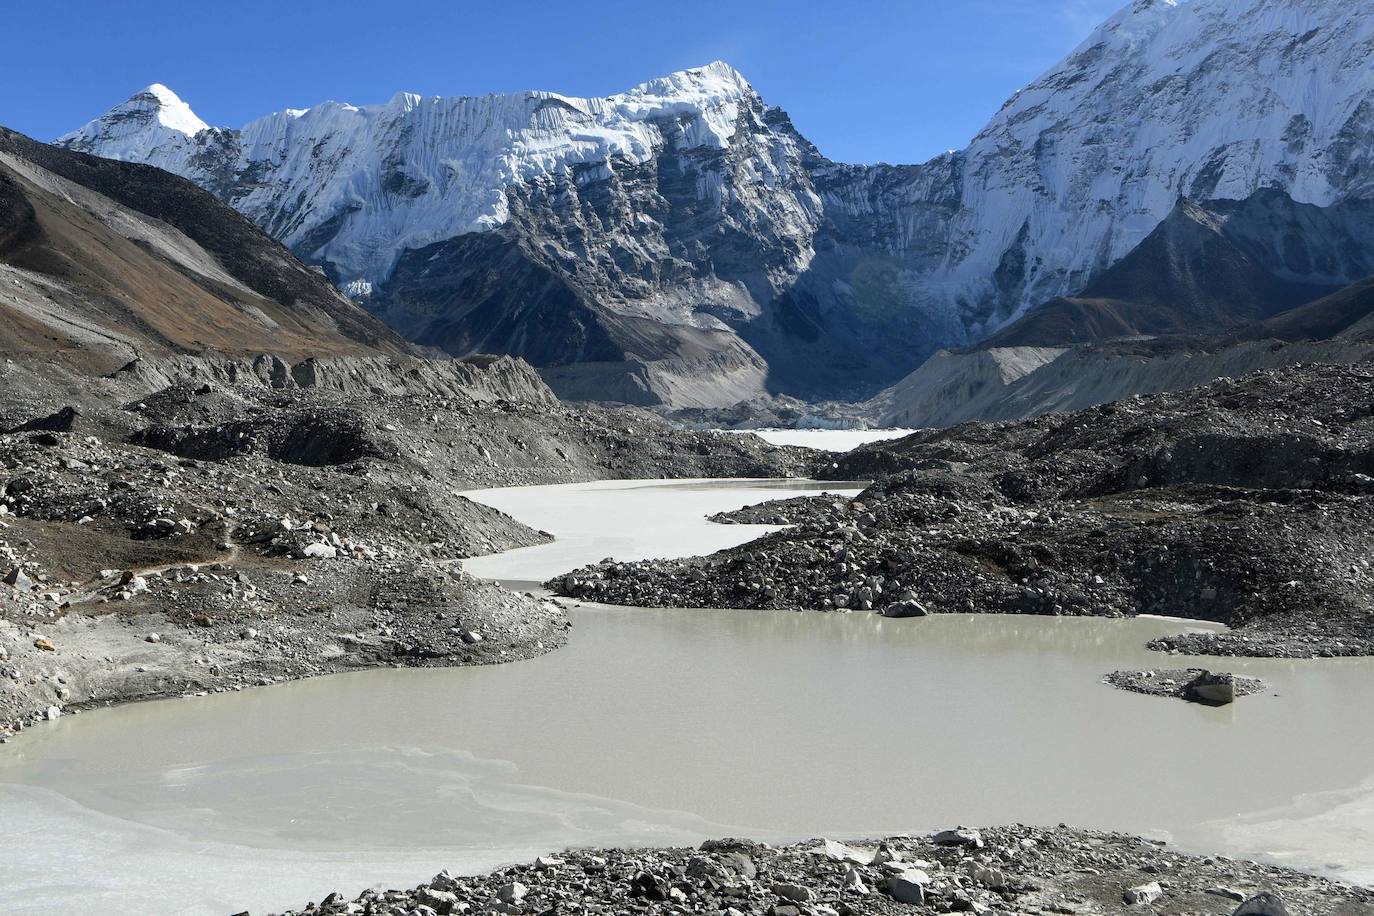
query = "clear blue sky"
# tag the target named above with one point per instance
(866, 80)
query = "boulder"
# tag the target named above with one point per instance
(839, 852)
(1265, 903)
(988, 876)
(512, 893)
(16, 580)
(1142, 894)
(959, 836)
(907, 888)
(1217, 689)
(439, 901)
(794, 892)
(63, 421)
(905, 609)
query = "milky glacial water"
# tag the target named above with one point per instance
(657, 726)
(830, 440)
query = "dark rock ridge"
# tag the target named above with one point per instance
(1249, 502)
(1218, 289)
(1210, 268)
(1002, 869)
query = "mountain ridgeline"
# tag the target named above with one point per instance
(683, 244)
(104, 262)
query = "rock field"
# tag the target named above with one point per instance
(186, 525)
(1248, 502)
(1018, 869)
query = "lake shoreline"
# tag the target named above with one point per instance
(1026, 869)
(551, 634)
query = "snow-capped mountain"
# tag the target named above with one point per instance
(386, 178)
(685, 228)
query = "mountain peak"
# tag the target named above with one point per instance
(171, 112)
(148, 120)
(717, 79)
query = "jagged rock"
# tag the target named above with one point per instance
(1142, 894)
(908, 887)
(512, 893)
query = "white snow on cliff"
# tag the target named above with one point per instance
(1207, 99)
(153, 124)
(416, 170)
(1168, 98)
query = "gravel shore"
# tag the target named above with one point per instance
(1021, 870)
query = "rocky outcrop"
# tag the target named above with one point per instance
(482, 377)
(1197, 685)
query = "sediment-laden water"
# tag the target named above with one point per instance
(670, 726)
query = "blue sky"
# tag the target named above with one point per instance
(866, 80)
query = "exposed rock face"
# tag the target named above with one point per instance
(1211, 268)
(686, 226)
(1218, 289)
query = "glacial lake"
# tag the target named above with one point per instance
(668, 727)
(830, 440)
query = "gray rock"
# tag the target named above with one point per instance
(1265, 903)
(839, 852)
(1217, 689)
(438, 900)
(794, 892)
(512, 893)
(905, 609)
(959, 836)
(16, 579)
(1143, 893)
(907, 888)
